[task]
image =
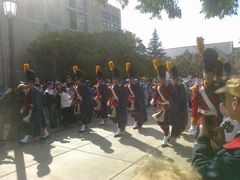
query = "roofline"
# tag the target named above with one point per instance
(205, 44)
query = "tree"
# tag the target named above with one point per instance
(188, 64)
(155, 49)
(210, 8)
(54, 54)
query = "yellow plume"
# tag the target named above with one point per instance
(127, 66)
(75, 68)
(200, 45)
(111, 65)
(97, 69)
(155, 64)
(169, 67)
(25, 67)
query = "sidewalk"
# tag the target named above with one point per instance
(94, 154)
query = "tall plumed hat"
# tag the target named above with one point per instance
(129, 70)
(77, 72)
(162, 71)
(210, 58)
(115, 71)
(227, 68)
(99, 73)
(29, 73)
(219, 67)
(174, 72)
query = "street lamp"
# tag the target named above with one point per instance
(10, 9)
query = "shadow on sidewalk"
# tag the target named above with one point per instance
(129, 140)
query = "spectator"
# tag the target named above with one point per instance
(66, 106)
(2, 100)
(51, 104)
(225, 163)
(156, 168)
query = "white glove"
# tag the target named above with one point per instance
(152, 102)
(21, 111)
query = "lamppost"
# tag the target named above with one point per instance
(10, 9)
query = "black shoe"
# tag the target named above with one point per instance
(117, 135)
(135, 127)
(42, 138)
(164, 145)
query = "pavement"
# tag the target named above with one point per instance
(92, 155)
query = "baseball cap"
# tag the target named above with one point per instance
(232, 86)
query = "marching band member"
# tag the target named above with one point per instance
(34, 100)
(136, 101)
(82, 100)
(117, 101)
(205, 102)
(102, 96)
(178, 103)
(161, 93)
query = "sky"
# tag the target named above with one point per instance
(180, 32)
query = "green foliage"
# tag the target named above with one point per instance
(219, 8)
(188, 64)
(155, 49)
(210, 8)
(236, 54)
(54, 53)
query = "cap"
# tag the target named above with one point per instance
(68, 76)
(21, 86)
(232, 86)
(49, 82)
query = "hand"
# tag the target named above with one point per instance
(21, 111)
(206, 127)
(9, 90)
(218, 136)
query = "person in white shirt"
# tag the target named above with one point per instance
(231, 126)
(66, 106)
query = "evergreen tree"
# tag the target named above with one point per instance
(155, 49)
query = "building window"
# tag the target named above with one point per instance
(35, 10)
(72, 4)
(72, 19)
(106, 16)
(82, 22)
(115, 19)
(81, 5)
(54, 12)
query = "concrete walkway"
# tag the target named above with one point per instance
(94, 154)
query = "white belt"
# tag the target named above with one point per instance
(206, 112)
(164, 103)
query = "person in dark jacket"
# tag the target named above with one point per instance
(2, 100)
(225, 163)
(136, 101)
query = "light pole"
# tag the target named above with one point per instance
(10, 9)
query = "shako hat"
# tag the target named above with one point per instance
(174, 72)
(210, 58)
(130, 71)
(115, 71)
(77, 72)
(219, 67)
(227, 68)
(30, 75)
(99, 73)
